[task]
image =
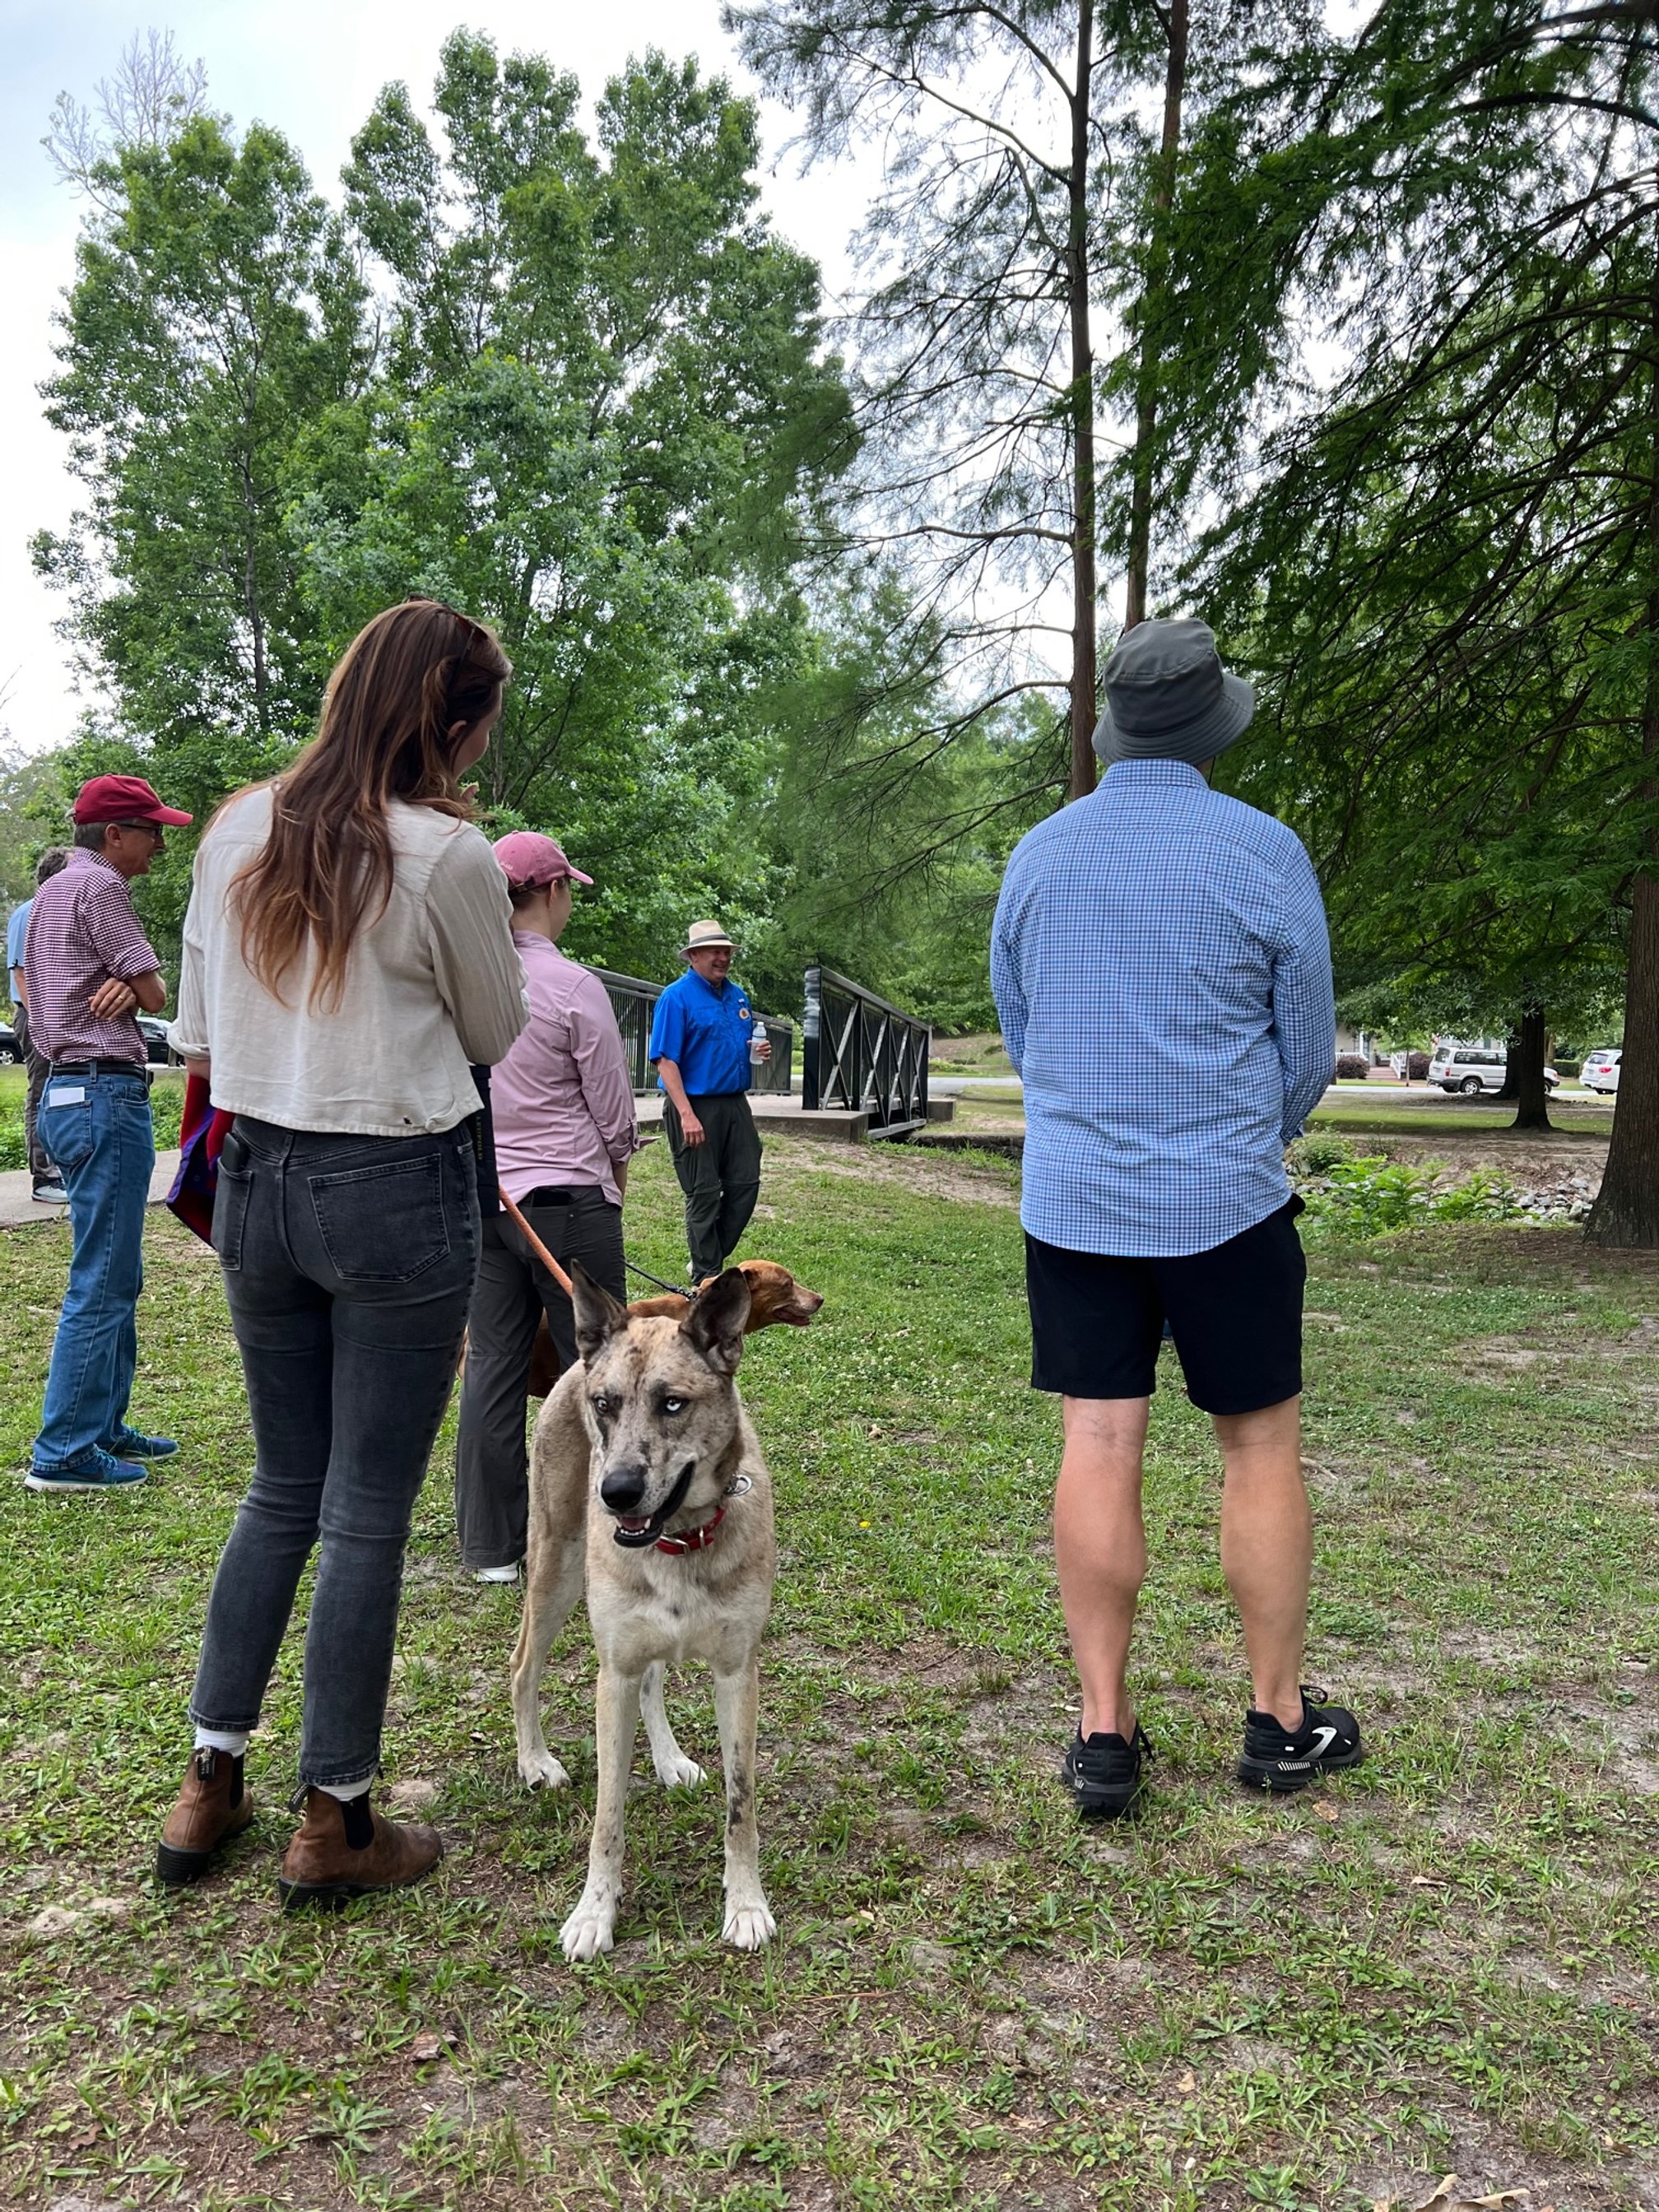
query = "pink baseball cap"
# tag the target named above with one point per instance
(533, 862)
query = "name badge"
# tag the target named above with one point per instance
(75, 1096)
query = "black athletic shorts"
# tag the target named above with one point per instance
(1235, 1312)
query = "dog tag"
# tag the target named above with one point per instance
(75, 1096)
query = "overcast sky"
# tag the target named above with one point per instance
(311, 69)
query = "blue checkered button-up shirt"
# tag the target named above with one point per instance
(1161, 968)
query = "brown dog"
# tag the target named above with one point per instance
(775, 1298)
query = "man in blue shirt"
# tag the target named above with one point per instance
(704, 1039)
(48, 1184)
(1162, 969)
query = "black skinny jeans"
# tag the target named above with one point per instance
(349, 1264)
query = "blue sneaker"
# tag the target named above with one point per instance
(103, 1471)
(130, 1443)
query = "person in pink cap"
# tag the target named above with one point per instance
(88, 968)
(562, 1104)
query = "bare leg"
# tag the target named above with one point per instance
(1100, 1549)
(674, 1770)
(590, 1928)
(749, 1922)
(1267, 1548)
(553, 1585)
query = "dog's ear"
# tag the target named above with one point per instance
(719, 1314)
(598, 1315)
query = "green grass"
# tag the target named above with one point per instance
(1388, 1118)
(1443, 1962)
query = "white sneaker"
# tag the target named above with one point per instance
(496, 1574)
(49, 1193)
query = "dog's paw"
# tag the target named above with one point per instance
(589, 1930)
(748, 1926)
(539, 1770)
(678, 1773)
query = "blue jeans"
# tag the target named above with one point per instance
(349, 1264)
(98, 1134)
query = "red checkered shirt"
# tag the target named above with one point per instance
(83, 930)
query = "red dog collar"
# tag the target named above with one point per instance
(691, 1540)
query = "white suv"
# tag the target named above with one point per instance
(1472, 1068)
(1600, 1069)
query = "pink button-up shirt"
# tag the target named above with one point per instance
(83, 930)
(562, 1099)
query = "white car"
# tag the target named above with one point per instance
(1600, 1069)
(1471, 1069)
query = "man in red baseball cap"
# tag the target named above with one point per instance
(89, 967)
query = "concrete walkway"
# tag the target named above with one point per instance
(18, 1209)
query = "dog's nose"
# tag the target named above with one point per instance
(622, 1488)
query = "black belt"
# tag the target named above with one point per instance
(96, 1067)
(559, 1193)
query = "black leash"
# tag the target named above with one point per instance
(675, 1290)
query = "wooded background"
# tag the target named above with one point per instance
(1346, 340)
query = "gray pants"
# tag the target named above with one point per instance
(721, 1176)
(348, 1265)
(39, 1166)
(492, 1490)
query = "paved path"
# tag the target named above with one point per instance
(18, 1208)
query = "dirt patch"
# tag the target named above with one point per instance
(908, 1166)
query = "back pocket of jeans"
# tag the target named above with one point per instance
(232, 1187)
(384, 1224)
(66, 1131)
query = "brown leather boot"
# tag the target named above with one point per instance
(211, 1807)
(322, 1866)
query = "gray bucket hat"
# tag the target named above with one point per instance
(1168, 698)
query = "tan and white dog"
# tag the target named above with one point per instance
(647, 1486)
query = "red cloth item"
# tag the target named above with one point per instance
(202, 1129)
(123, 799)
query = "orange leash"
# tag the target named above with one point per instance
(536, 1245)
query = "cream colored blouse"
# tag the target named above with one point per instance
(433, 985)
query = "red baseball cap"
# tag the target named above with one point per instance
(122, 798)
(532, 861)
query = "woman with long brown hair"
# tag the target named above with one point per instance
(348, 956)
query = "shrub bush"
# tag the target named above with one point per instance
(1352, 1068)
(1317, 1153)
(1417, 1066)
(1370, 1196)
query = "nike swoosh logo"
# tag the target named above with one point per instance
(1324, 1737)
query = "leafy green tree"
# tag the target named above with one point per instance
(1445, 562)
(604, 423)
(217, 312)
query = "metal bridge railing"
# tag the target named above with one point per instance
(861, 1054)
(634, 1000)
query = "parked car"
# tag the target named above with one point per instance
(1600, 1069)
(157, 1049)
(1471, 1068)
(11, 1052)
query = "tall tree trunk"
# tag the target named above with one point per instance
(1526, 1055)
(1085, 613)
(1626, 1213)
(1141, 485)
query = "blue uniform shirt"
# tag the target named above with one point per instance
(17, 930)
(705, 1031)
(1161, 968)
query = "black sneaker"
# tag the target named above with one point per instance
(1275, 1759)
(1103, 1774)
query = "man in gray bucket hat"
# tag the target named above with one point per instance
(1163, 973)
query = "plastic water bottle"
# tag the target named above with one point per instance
(756, 1044)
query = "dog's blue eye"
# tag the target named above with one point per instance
(673, 1405)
